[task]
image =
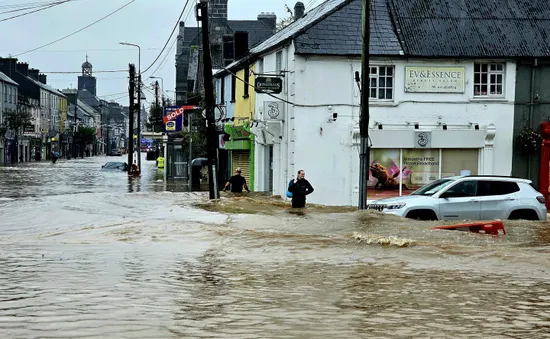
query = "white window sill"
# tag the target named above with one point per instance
(489, 99)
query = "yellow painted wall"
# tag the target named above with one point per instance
(244, 107)
(64, 111)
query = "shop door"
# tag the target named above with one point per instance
(270, 167)
(241, 159)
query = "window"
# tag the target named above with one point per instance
(233, 84)
(222, 91)
(488, 188)
(279, 62)
(488, 79)
(5, 93)
(381, 82)
(246, 81)
(461, 190)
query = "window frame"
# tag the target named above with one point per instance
(377, 76)
(490, 73)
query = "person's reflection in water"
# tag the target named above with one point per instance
(134, 184)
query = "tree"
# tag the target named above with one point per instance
(155, 121)
(286, 21)
(198, 132)
(16, 121)
(85, 136)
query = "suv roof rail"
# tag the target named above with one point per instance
(498, 176)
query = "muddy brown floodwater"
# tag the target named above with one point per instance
(86, 253)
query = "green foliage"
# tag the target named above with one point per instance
(86, 135)
(198, 130)
(155, 122)
(529, 141)
(16, 120)
(286, 21)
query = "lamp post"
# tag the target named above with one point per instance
(139, 104)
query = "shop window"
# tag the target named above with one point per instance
(381, 82)
(246, 81)
(402, 171)
(489, 79)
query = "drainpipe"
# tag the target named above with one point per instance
(531, 108)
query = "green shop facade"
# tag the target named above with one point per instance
(241, 151)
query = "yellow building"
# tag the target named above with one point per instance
(63, 113)
(241, 142)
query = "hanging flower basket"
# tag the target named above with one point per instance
(529, 141)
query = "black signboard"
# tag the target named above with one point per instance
(269, 85)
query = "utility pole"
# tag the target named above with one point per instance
(364, 154)
(212, 140)
(139, 121)
(131, 92)
(189, 167)
(75, 155)
(157, 107)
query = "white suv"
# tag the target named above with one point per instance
(469, 198)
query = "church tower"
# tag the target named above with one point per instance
(87, 81)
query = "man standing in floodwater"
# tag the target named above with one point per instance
(300, 187)
(237, 182)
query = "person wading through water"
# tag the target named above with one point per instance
(237, 182)
(300, 187)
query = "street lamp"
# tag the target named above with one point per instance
(139, 104)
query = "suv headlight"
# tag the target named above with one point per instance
(395, 206)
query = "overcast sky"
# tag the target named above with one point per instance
(147, 23)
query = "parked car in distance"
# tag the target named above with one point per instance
(115, 152)
(469, 198)
(115, 166)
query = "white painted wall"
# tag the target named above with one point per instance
(325, 149)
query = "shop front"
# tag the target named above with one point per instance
(241, 151)
(401, 161)
(396, 172)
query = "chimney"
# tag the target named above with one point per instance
(269, 19)
(228, 49)
(181, 37)
(42, 78)
(241, 44)
(8, 65)
(33, 73)
(299, 10)
(217, 9)
(23, 68)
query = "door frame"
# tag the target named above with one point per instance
(544, 170)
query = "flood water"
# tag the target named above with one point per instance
(86, 253)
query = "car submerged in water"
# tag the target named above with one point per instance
(115, 166)
(469, 198)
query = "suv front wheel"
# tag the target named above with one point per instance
(422, 215)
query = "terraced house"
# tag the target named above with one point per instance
(447, 81)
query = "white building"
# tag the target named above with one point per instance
(432, 113)
(8, 101)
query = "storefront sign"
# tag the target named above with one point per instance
(422, 139)
(270, 85)
(431, 79)
(274, 110)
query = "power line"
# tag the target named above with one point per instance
(276, 97)
(80, 30)
(169, 38)
(75, 72)
(42, 8)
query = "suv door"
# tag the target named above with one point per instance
(497, 198)
(460, 202)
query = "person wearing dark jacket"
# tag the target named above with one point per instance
(300, 187)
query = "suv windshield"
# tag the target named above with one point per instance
(434, 187)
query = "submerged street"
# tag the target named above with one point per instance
(88, 253)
